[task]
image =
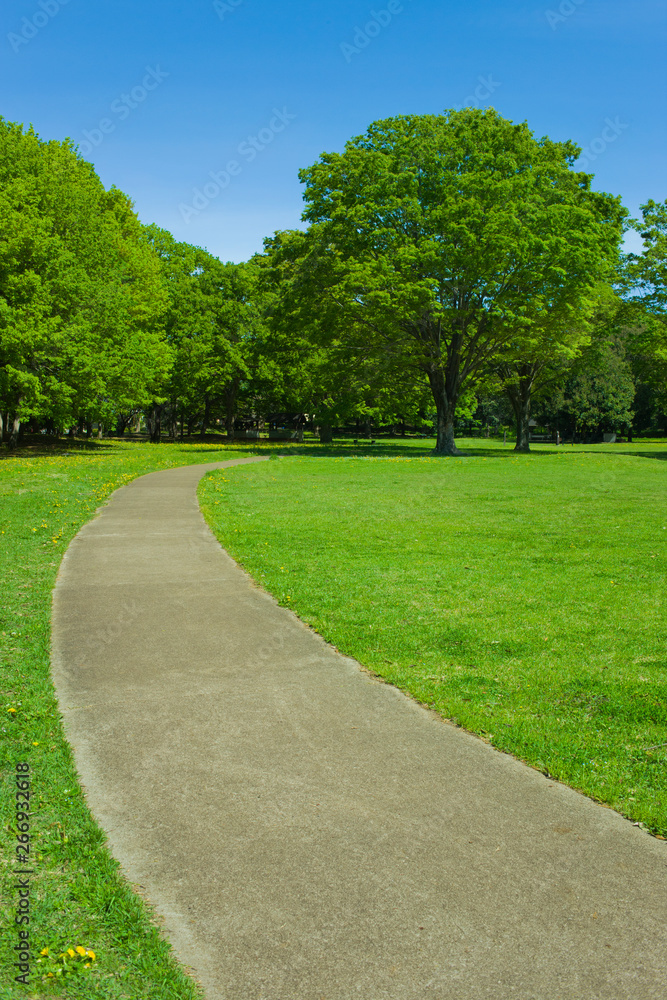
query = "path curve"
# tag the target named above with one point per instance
(307, 832)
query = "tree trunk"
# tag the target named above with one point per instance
(14, 431)
(522, 412)
(14, 427)
(2, 426)
(519, 397)
(205, 419)
(326, 433)
(229, 419)
(231, 390)
(154, 424)
(445, 405)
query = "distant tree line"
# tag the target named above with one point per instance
(454, 269)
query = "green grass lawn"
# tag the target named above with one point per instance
(483, 586)
(78, 895)
(520, 596)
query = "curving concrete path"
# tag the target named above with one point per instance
(307, 832)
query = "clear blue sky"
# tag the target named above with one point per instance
(183, 87)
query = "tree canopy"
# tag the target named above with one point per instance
(450, 239)
(448, 261)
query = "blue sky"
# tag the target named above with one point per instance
(161, 96)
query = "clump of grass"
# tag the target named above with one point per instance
(519, 596)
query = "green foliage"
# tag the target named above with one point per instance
(81, 300)
(327, 371)
(215, 326)
(601, 391)
(643, 282)
(645, 276)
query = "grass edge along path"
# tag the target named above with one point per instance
(79, 897)
(560, 662)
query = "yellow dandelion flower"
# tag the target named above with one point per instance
(70, 952)
(91, 954)
(44, 951)
(49, 975)
(86, 965)
(80, 950)
(12, 710)
(35, 743)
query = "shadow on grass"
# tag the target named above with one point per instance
(660, 455)
(626, 451)
(382, 448)
(49, 449)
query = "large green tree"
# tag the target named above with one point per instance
(446, 238)
(81, 299)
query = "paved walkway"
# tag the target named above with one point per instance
(309, 833)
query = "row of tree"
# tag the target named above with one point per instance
(450, 263)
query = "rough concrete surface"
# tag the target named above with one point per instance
(307, 832)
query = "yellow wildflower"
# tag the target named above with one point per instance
(80, 950)
(70, 952)
(91, 954)
(12, 710)
(44, 951)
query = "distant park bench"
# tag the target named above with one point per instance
(545, 438)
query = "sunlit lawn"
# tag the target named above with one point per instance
(521, 597)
